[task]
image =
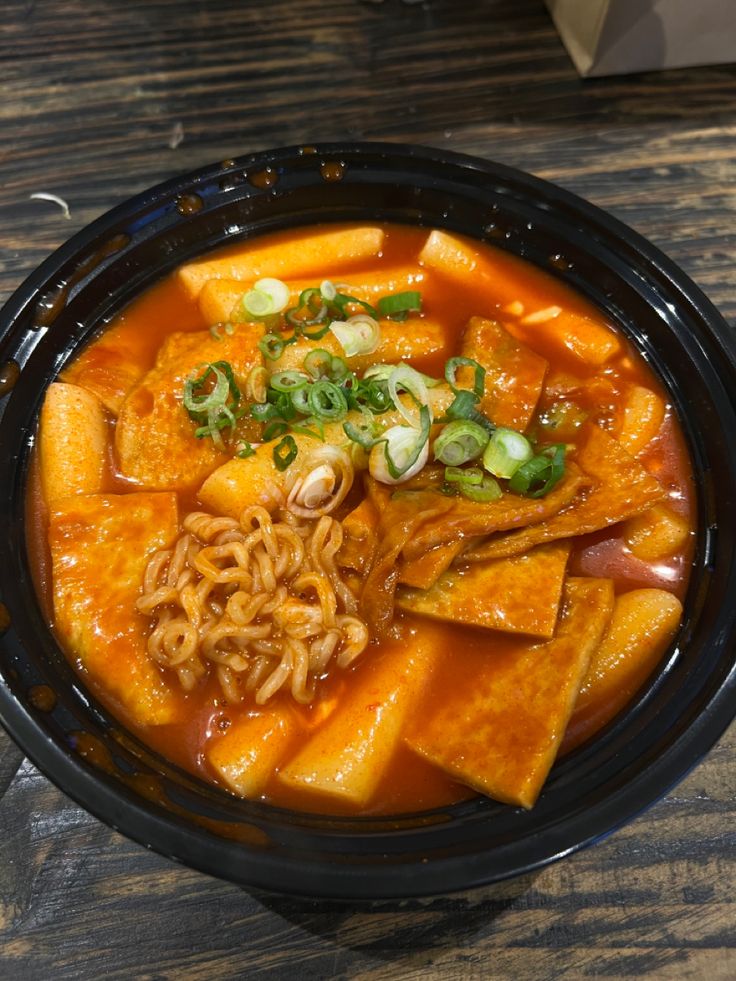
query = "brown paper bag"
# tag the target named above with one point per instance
(613, 37)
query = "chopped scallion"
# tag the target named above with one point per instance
(285, 452)
(538, 476)
(288, 381)
(397, 306)
(506, 451)
(460, 442)
(326, 400)
(486, 491)
(453, 364)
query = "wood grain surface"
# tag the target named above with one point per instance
(102, 98)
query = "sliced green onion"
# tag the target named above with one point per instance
(300, 400)
(399, 305)
(538, 476)
(379, 372)
(198, 405)
(463, 406)
(229, 329)
(318, 362)
(318, 432)
(342, 300)
(277, 292)
(213, 408)
(271, 346)
(487, 490)
(359, 334)
(404, 453)
(288, 381)
(338, 368)
(463, 475)
(263, 411)
(453, 364)
(258, 305)
(275, 428)
(285, 452)
(506, 451)
(317, 334)
(406, 378)
(362, 435)
(327, 290)
(459, 442)
(326, 400)
(245, 451)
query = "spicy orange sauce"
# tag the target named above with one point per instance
(409, 784)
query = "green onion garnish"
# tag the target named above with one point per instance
(453, 364)
(326, 400)
(538, 476)
(267, 298)
(484, 492)
(245, 451)
(285, 452)
(215, 409)
(288, 381)
(404, 444)
(317, 363)
(397, 306)
(459, 442)
(506, 451)
(359, 334)
(463, 406)
(362, 435)
(271, 346)
(460, 475)
(343, 300)
(263, 411)
(277, 427)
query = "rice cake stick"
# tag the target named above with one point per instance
(325, 253)
(72, 442)
(622, 488)
(572, 333)
(246, 756)
(517, 595)
(643, 624)
(419, 338)
(219, 299)
(348, 754)
(500, 732)
(100, 547)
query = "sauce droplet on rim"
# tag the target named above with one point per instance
(42, 698)
(263, 179)
(189, 204)
(560, 262)
(305, 150)
(332, 171)
(9, 375)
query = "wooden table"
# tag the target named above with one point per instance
(101, 99)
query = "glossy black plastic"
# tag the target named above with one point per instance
(679, 716)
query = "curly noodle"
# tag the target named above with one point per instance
(260, 601)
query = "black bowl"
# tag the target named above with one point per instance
(674, 721)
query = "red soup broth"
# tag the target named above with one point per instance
(409, 783)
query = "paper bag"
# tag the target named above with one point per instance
(613, 37)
